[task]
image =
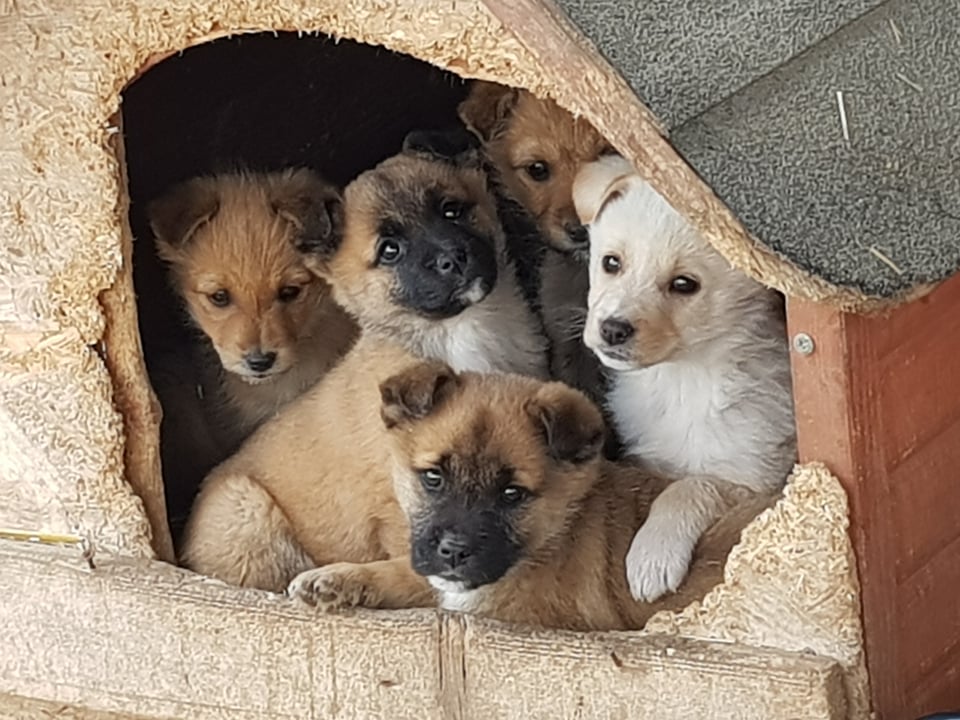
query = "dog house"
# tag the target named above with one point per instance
(814, 144)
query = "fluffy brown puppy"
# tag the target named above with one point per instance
(311, 487)
(270, 326)
(537, 148)
(231, 244)
(513, 513)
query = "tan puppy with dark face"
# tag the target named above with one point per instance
(423, 260)
(231, 243)
(513, 513)
(421, 265)
(537, 148)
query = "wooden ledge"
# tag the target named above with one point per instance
(144, 638)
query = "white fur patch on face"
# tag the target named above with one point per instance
(446, 586)
(454, 595)
(475, 293)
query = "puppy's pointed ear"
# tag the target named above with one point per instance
(457, 146)
(572, 426)
(414, 393)
(315, 208)
(598, 183)
(176, 215)
(487, 107)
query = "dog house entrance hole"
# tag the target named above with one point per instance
(260, 102)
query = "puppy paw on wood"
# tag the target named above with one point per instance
(384, 584)
(658, 561)
(332, 587)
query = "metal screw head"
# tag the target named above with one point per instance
(803, 343)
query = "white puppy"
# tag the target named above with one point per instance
(701, 390)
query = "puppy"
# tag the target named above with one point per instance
(270, 327)
(422, 268)
(701, 389)
(537, 148)
(231, 244)
(513, 513)
(312, 487)
(422, 260)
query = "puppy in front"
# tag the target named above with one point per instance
(231, 242)
(423, 260)
(537, 148)
(701, 390)
(267, 327)
(513, 513)
(422, 268)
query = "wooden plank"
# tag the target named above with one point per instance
(148, 640)
(930, 641)
(872, 397)
(919, 506)
(611, 675)
(15, 707)
(913, 375)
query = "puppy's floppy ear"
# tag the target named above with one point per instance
(457, 146)
(175, 216)
(598, 183)
(415, 392)
(487, 107)
(313, 206)
(572, 426)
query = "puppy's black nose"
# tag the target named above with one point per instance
(259, 361)
(578, 234)
(615, 331)
(451, 263)
(453, 549)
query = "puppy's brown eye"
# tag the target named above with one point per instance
(220, 298)
(389, 251)
(452, 209)
(513, 494)
(611, 264)
(684, 285)
(538, 171)
(432, 480)
(288, 293)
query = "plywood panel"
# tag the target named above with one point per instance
(919, 506)
(878, 401)
(915, 384)
(931, 639)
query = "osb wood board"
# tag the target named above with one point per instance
(877, 402)
(144, 638)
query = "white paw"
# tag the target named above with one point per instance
(657, 562)
(331, 587)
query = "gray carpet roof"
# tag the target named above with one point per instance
(749, 90)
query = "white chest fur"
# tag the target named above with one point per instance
(727, 419)
(454, 597)
(498, 334)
